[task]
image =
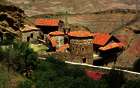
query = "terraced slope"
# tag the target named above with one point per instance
(34, 7)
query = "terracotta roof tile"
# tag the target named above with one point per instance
(111, 46)
(80, 34)
(47, 22)
(56, 33)
(53, 41)
(101, 38)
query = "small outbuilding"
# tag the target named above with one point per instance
(30, 34)
(107, 48)
(102, 39)
(48, 25)
(59, 37)
(56, 39)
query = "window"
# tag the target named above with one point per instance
(31, 36)
(28, 39)
(82, 49)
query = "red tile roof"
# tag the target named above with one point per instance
(63, 48)
(53, 41)
(80, 34)
(111, 46)
(101, 38)
(47, 22)
(56, 33)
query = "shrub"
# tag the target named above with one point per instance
(8, 39)
(53, 73)
(115, 79)
(136, 65)
(3, 79)
(25, 84)
(132, 84)
(19, 56)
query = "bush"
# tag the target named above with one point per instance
(8, 39)
(19, 56)
(53, 73)
(136, 65)
(115, 79)
(25, 84)
(132, 84)
(3, 79)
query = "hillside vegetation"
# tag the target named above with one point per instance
(26, 71)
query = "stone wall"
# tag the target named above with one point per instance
(28, 34)
(81, 49)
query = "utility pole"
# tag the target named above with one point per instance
(66, 24)
(66, 28)
(66, 19)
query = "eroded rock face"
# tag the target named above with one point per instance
(11, 18)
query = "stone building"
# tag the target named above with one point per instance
(30, 34)
(106, 48)
(48, 25)
(57, 39)
(81, 46)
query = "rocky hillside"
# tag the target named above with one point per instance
(11, 19)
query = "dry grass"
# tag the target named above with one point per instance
(38, 47)
(33, 7)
